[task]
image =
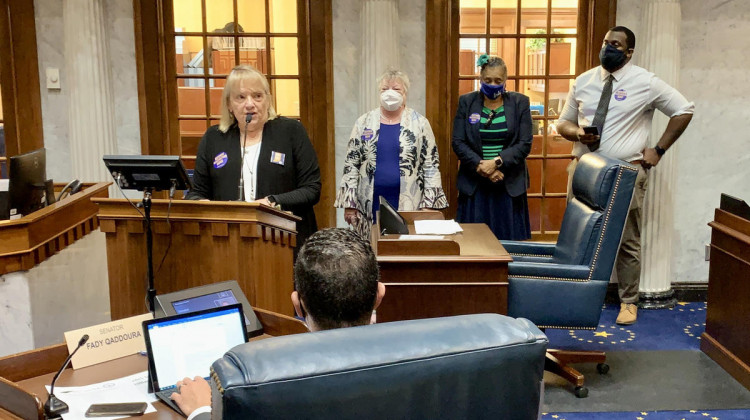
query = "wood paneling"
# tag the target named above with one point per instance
(32, 239)
(156, 138)
(441, 75)
(204, 242)
(727, 339)
(473, 280)
(595, 17)
(19, 77)
(316, 95)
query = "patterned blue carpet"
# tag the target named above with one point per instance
(678, 328)
(654, 415)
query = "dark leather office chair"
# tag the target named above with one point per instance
(563, 285)
(484, 366)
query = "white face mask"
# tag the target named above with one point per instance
(391, 100)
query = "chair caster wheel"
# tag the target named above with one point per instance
(581, 392)
(602, 368)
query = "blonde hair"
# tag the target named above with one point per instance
(235, 78)
(391, 74)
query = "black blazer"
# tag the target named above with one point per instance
(295, 184)
(468, 145)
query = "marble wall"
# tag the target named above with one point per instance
(713, 156)
(55, 103)
(347, 36)
(69, 290)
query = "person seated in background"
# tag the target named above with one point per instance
(337, 284)
(391, 153)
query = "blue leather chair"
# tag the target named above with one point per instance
(563, 285)
(484, 366)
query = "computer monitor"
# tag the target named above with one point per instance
(734, 205)
(27, 189)
(389, 220)
(153, 172)
(208, 296)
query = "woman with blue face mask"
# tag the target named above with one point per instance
(492, 137)
(391, 153)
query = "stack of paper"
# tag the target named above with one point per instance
(436, 227)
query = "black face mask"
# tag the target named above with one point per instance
(611, 58)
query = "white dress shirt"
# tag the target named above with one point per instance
(636, 92)
(199, 410)
(250, 170)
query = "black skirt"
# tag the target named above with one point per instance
(507, 217)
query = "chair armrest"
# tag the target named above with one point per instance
(529, 248)
(525, 258)
(548, 270)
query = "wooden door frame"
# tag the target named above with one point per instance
(157, 92)
(19, 75)
(595, 17)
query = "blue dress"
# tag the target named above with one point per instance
(506, 216)
(387, 173)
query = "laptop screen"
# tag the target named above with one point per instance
(186, 345)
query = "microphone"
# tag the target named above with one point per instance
(241, 186)
(54, 406)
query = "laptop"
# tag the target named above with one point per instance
(186, 345)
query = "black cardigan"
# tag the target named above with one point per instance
(295, 184)
(468, 145)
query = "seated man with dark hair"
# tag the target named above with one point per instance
(337, 285)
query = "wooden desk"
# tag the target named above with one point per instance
(727, 338)
(24, 368)
(32, 239)
(474, 280)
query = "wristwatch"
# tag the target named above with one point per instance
(271, 200)
(499, 161)
(659, 150)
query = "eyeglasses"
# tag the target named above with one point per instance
(489, 119)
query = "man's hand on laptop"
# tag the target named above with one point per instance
(193, 393)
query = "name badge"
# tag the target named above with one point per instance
(220, 160)
(620, 95)
(474, 118)
(278, 158)
(367, 134)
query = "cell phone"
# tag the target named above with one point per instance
(117, 409)
(591, 130)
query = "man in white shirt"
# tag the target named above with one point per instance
(337, 285)
(619, 99)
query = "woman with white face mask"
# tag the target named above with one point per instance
(391, 153)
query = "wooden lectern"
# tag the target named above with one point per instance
(465, 273)
(727, 338)
(205, 242)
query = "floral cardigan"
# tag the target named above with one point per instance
(419, 167)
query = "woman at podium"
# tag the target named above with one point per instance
(391, 153)
(492, 136)
(255, 155)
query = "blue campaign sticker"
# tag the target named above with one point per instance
(220, 160)
(367, 134)
(474, 118)
(621, 94)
